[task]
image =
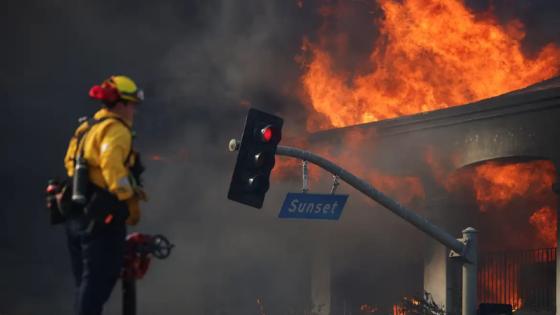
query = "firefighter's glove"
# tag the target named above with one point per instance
(133, 204)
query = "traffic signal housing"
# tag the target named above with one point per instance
(256, 158)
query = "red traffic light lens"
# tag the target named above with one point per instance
(266, 133)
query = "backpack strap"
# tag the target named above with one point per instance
(80, 138)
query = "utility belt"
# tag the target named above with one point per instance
(101, 205)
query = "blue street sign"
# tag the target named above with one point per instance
(312, 206)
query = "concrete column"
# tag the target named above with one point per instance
(321, 276)
(442, 275)
(437, 274)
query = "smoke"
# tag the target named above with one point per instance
(537, 16)
(198, 61)
(201, 63)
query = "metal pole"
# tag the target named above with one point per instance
(466, 248)
(129, 296)
(420, 222)
(470, 271)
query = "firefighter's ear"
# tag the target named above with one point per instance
(111, 93)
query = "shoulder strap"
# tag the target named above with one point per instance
(80, 138)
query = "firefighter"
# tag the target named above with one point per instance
(96, 229)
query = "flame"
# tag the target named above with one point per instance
(398, 310)
(516, 205)
(497, 184)
(506, 187)
(544, 220)
(495, 284)
(156, 157)
(520, 191)
(179, 156)
(409, 305)
(430, 54)
(507, 278)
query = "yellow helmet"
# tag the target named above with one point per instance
(127, 89)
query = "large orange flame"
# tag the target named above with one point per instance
(544, 220)
(430, 54)
(497, 184)
(511, 196)
(516, 205)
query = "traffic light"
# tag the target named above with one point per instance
(255, 159)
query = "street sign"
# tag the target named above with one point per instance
(313, 206)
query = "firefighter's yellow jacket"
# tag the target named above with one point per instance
(107, 150)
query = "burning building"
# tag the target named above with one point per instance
(445, 109)
(491, 164)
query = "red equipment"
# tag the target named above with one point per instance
(104, 92)
(139, 250)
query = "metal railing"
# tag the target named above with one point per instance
(525, 279)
